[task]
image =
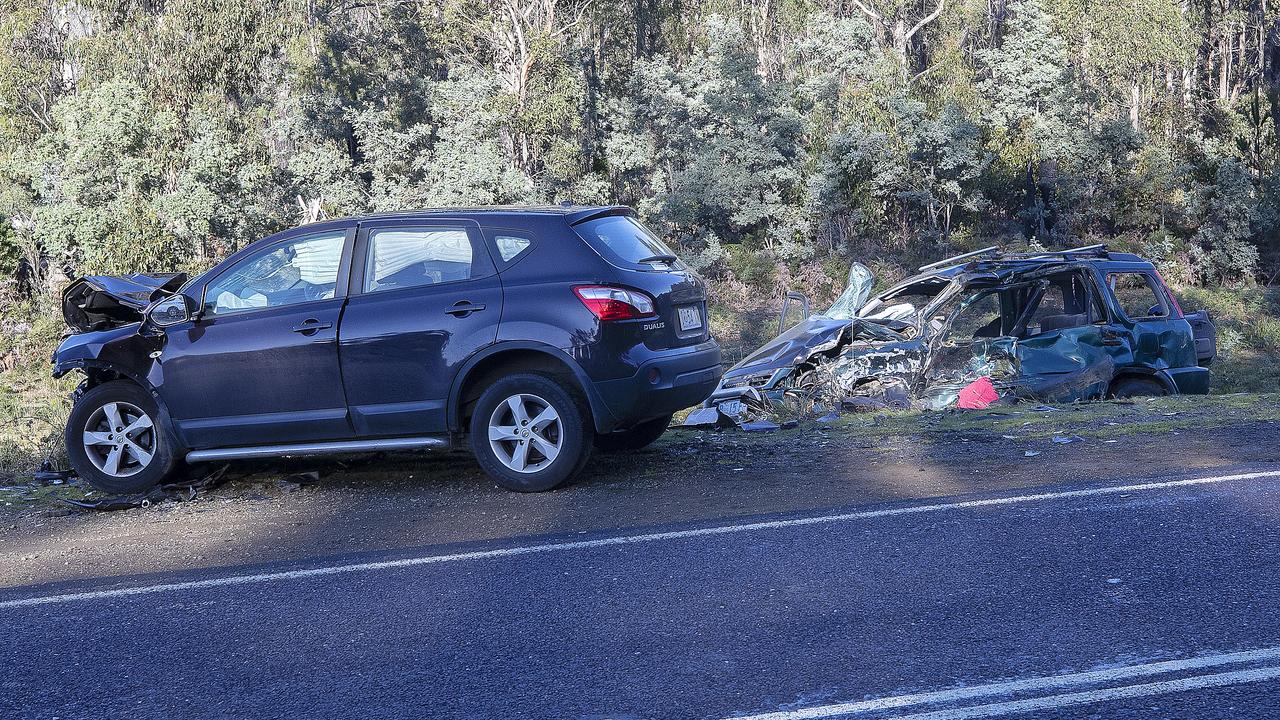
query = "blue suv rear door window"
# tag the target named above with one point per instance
(413, 257)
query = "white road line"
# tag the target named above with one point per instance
(1011, 687)
(1087, 697)
(623, 540)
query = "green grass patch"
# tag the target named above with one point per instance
(1248, 322)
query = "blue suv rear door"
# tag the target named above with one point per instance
(424, 297)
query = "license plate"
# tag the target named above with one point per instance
(690, 318)
(732, 408)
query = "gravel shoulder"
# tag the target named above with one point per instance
(408, 503)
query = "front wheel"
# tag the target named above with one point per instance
(115, 440)
(635, 438)
(529, 433)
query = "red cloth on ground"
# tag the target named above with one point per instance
(977, 395)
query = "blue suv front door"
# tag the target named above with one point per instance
(260, 365)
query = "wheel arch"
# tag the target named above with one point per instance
(97, 372)
(1158, 376)
(481, 369)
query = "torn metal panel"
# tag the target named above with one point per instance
(100, 302)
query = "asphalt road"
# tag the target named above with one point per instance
(1155, 600)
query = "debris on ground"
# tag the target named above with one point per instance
(297, 481)
(176, 492)
(46, 475)
(977, 395)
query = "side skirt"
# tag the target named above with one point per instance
(319, 448)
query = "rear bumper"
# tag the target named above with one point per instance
(662, 385)
(1189, 380)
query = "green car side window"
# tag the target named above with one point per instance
(1136, 293)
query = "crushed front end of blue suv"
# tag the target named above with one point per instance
(530, 334)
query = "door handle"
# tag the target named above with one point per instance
(1110, 338)
(463, 308)
(311, 326)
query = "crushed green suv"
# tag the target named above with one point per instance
(1064, 325)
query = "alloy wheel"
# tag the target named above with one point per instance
(119, 439)
(525, 433)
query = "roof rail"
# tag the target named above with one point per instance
(1099, 249)
(951, 260)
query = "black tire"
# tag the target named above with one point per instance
(1128, 387)
(635, 438)
(573, 433)
(158, 439)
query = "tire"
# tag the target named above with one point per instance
(1128, 387)
(640, 436)
(520, 457)
(109, 462)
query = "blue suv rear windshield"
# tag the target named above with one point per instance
(623, 238)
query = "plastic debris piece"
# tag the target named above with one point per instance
(1066, 439)
(1031, 453)
(829, 417)
(702, 417)
(863, 404)
(180, 492)
(309, 477)
(47, 475)
(761, 426)
(977, 395)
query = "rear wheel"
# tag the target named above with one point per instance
(529, 433)
(115, 440)
(640, 436)
(1129, 387)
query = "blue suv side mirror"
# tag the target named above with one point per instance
(171, 311)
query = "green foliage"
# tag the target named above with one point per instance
(455, 160)
(1223, 246)
(99, 177)
(1027, 81)
(725, 145)
(151, 135)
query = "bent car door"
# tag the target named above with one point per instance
(1064, 340)
(1158, 337)
(260, 364)
(425, 297)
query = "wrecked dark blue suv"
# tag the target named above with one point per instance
(534, 333)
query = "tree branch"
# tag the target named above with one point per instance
(925, 21)
(869, 12)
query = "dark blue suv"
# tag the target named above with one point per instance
(534, 332)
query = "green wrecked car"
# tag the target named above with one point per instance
(981, 327)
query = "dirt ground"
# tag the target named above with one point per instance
(409, 502)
